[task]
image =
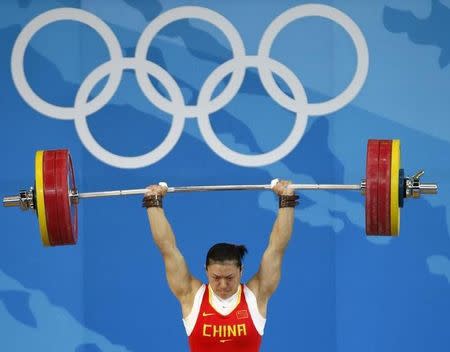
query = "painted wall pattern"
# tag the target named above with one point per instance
(340, 291)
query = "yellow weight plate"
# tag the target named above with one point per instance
(39, 191)
(395, 171)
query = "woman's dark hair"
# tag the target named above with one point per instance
(222, 252)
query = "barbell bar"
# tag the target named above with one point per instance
(54, 196)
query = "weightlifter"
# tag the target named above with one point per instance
(224, 314)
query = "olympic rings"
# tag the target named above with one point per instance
(176, 106)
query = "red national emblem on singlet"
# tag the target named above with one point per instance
(242, 314)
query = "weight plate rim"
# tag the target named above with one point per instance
(39, 192)
(73, 206)
(401, 188)
(384, 187)
(395, 172)
(62, 187)
(51, 211)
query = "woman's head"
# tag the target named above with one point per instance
(224, 268)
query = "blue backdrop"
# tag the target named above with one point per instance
(186, 95)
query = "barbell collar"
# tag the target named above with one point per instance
(414, 188)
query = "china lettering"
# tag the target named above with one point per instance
(212, 330)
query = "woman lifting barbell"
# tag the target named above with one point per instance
(224, 314)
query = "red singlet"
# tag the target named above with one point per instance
(224, 333)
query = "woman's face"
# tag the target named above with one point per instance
(224, 278)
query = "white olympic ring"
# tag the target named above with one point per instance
(176, 106)
(122, 161)
(237, 47)
(20, 46)
(297, 131)
(362, 56)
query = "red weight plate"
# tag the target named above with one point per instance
(62, 194)
(51, 204)
(384, 188)
(373, 150)
(73, 206)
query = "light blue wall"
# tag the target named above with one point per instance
(340, 291)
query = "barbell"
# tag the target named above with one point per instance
(54, 196)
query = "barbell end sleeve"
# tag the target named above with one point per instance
(428, 188)
(11, 201)
(24, 200)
